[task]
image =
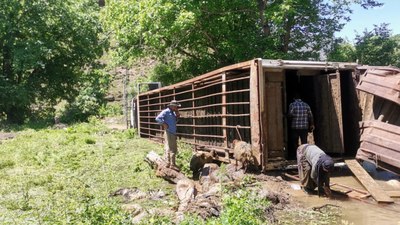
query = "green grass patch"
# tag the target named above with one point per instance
(66, 176)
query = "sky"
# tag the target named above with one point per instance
(362, 19)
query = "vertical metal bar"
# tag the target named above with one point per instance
(223, 111)
(254, 107)
(194, 113)
(124, 96)
(138, 114)
(148, 115)
(160, 108)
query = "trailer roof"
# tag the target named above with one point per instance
(317, 65)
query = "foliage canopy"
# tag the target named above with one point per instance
(44, 47)
(191, 37)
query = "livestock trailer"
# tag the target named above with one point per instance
(250, 100)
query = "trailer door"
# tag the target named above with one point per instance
(329, 123)
(273, 119)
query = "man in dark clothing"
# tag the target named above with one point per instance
(302, 122)
(314, 168)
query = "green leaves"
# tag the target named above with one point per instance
(45, 46)
(376, 47)
(193, 37)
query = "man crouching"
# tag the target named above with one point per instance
(314, 168)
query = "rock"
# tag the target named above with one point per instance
(208, 176)
(137, 212)
(109, 98)
(156, 195)
(394, 183)
(130, 194)
(186, 193)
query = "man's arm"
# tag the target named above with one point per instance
(160, 120)
(326, 186)
(291, 110)
(310, 119)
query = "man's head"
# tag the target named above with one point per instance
(296, 95)
(328, 164)
(174, 105)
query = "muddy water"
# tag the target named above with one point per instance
(354, 211)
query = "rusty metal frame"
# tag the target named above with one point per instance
(220, 104)
(207, 104)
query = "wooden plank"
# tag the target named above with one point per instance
(255, 107)
(274, 119)
(393, 194)
(366, 180)
(388, 82)
(389, 144)
(379, 91)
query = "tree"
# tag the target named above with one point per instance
(44, 47)
(396, 56)
(191, 37)
(341, 51)
(376, 47)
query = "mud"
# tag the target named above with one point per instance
(365, 212)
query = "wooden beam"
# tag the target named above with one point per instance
(255, 107)
(366, 180)
(393, 194)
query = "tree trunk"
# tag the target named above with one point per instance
(286, 36)
(168, 174)
(262, 4)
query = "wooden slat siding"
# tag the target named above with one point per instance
(385, 143)
(381, 161)
(379, 91)
(366, 180)
(380, 145)
(383, 82)
(254, 106)
(382, 126)
(389, 82)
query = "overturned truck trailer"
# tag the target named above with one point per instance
(380, 125)
(249, 101)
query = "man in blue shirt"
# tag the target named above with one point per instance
(302, 121)
(167, 119)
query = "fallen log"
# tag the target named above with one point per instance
(162, 170)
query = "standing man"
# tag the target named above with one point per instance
(302, 122)
(314, 169)
(167, 119)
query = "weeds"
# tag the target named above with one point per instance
(65, 176)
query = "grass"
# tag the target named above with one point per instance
(65, 176)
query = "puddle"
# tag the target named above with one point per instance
(354, 211)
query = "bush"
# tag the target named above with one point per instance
(90, 98)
